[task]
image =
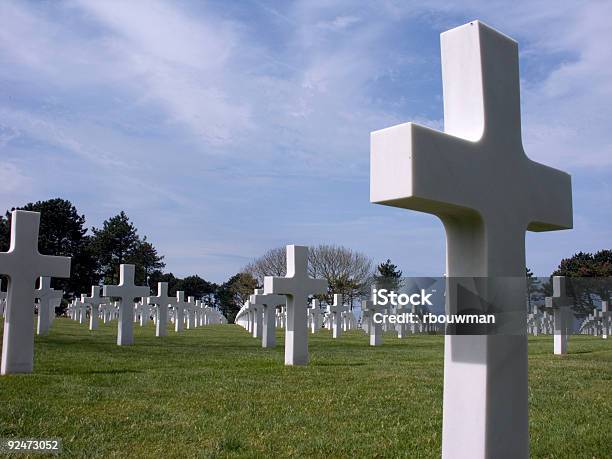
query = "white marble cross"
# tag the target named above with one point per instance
(375, 329)
(478, 180)
(335, 311)
(314, 315)
(268, 304)
(179, 306)
(94, 301)
(47, 301)
(23, 264)
(126, 291)
(297, 286)
(190, 305)
(257, 315)
(560, 304)
(606, 319)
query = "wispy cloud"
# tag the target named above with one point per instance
(233, 128)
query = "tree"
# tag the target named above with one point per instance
(234, 292)
(62, 232)
(195, 286)
(157, 276)
(347, 272)
(534, 287)
(271, 263)
(588, 281)
(146, 259)
(388, 276)
(113, 244)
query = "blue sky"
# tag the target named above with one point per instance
(227, 128)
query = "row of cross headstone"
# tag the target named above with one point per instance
(283, 303)
(474, 176)
(23, 265)
(598, 323)
(261, 320)
(161, 309)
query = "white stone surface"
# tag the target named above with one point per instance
(315, 316)
(560, 304)
(478, 180)
(297, 286)
(94, 301)
(179, 307)
(23, 264)
(126, 291)
(162, 300)
(268, 303)
(374, 329)
(335, 313)
(606, 315)
(47, 302)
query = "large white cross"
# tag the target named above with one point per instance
(126, 291)
(94, 301)
(48, 299)
(162, 300)
(478, 180)
(268, 304)
(560, 304)
(297, 286)
(23, 264)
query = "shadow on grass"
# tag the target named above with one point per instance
(333, 364)
(111, 371)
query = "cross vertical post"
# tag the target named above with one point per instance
(23, 264)
(478, 180)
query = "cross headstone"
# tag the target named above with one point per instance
(144, 312)
(374, 329)
(335, 311)
(189, 309)
(126, 291)
(257, 316)
(179, 307)
(606, 318)
(477, 179)
(560, 304)
(297, 285)
(162, 300)
(314, 314)
(268, 304)
(94, 301)
(23, 264)
(47, 300)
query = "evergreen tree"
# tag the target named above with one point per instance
(588, 282)
(234, 292)
(62, 232)
(114, 244)
(388, 276)
(146, 259)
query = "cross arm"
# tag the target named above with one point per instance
(54, 266)
(548, 185)
(418, 168)
(279, 285)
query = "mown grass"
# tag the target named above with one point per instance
(213, 392)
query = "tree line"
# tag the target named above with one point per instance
(97, 253)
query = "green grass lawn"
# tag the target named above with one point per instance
(213, 392)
